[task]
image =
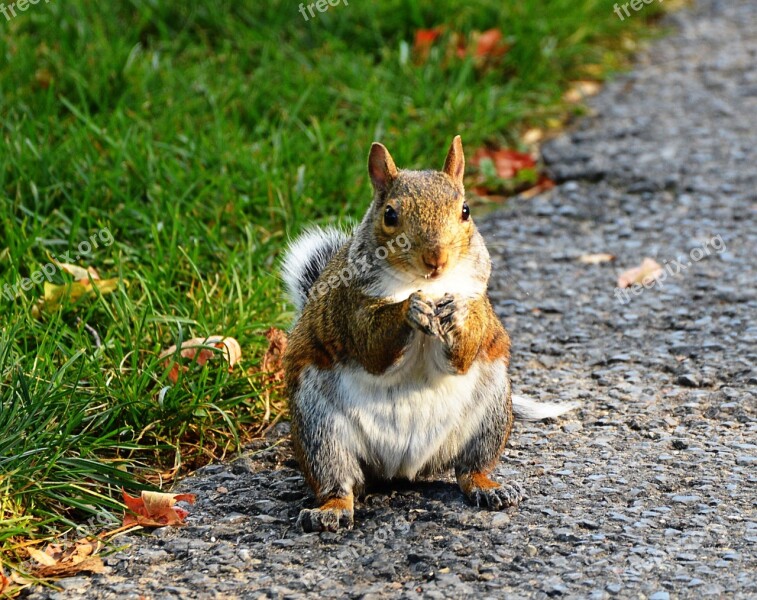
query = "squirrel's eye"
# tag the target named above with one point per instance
(466, 211)
(391, 218)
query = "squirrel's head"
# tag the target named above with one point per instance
(421, 217)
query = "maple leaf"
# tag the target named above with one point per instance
(155, 509)
(200, 350)
(648, 271)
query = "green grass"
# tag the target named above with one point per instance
(202, 135)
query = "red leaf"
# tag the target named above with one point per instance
(489, 44)
(424, 38)
(155, 509)
(506, 162)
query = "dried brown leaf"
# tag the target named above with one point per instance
(200, 350)
(645, 273)
(596, 259)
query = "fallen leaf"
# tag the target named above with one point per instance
(155, 509)
(596, 259)
(580, 90)
(92, 564)
(490, 44)
(503, 172)
(645, 273)
(60, 561)
(200, 350)
(544, 184)
(424, 39)
(43, 558)
(272, 360)
(532, 136)
(78, 273)
(4, 581)
(485, 47)
(55, 294)
(506, 162)
(272, 367)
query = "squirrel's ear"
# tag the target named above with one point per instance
(454, 166)
(381, 168)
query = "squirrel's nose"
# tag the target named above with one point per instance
(435, 259)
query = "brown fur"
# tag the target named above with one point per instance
(345, 503)
(468, 482)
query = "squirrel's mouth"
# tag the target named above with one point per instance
(433, 273)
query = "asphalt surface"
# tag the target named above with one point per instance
(649, 490)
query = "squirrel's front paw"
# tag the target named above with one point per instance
(451, 313)
(421, 314)
(325, 519)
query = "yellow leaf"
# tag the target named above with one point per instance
(78, 273)
(54, 294)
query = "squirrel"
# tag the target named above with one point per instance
(397, 365)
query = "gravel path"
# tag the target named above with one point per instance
(649, 491)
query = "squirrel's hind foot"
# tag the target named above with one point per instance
(485, 493)
(332, 515)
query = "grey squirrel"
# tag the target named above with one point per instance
(397, 365)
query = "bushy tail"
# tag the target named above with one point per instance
(527, 409)
(306, 258)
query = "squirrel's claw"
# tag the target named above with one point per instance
(421, 314)
(326, 519)
(451, 315)
(497, 498)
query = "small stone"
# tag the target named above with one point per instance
(683, 499)
(689, 380)
(531, 550)
(500, 520)
(660, 596)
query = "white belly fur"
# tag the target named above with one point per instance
(401, 419)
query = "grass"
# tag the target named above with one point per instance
(200, 136)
